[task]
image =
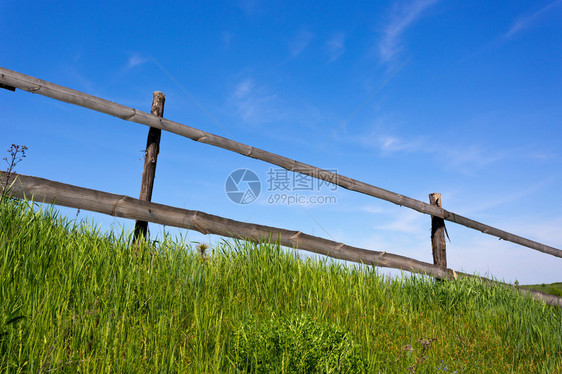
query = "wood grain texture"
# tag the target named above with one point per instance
(34, 85)
(438, 244)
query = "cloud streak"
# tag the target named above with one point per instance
(250, 7)
(254, 104)
(402, 18)
(491, 202)
(390, 143)
(336, 46)
(300, 42)
(461, 157)
(524, 22)
(406, 221)
(135, 60)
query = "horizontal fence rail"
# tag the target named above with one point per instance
(47, 191)
(34, 85)
(51, 192)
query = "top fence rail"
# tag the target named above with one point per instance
(31, 84)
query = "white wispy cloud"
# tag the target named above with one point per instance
(403, 16)
(254, 103)
(243, 88)
(392, 143)
(406, 221)
(487, 203)
(545, 230)
(386, 141)
(300, 42)
(470, 155)
(135, 59)
(525, 21)
(336, 46)
(461, 157)
(250, 7)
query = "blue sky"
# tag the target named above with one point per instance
(416, 96)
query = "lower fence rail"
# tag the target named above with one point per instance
(51, 192)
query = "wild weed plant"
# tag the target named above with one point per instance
(16, 155)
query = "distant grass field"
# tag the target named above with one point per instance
(74, 299)
(553, 288)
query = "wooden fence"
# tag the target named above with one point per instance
(144, 211)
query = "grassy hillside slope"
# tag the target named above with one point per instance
(74, 299)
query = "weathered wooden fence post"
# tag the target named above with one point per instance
(150, 158)
(438, 244)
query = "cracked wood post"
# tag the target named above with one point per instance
(150, 158)
(438, 244)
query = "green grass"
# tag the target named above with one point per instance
(553, 288)
(74, 299)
